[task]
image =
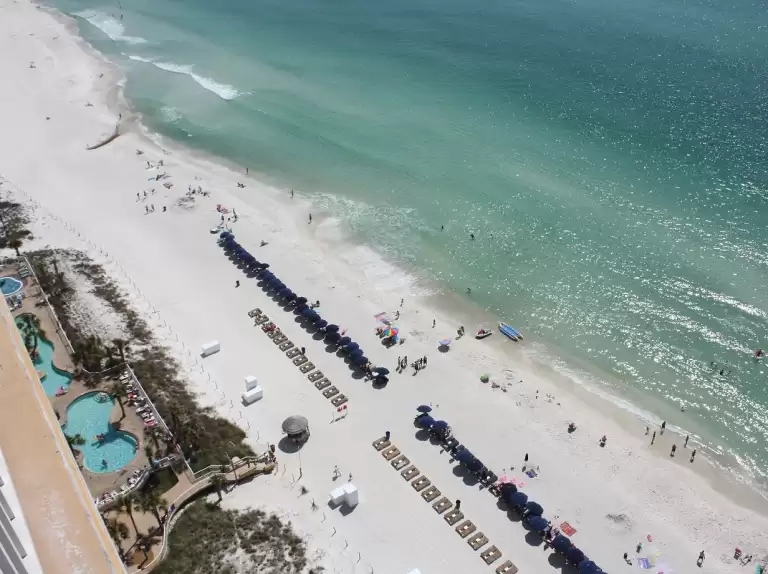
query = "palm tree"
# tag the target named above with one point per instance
(118, 393)
(126, 504)
(121, 346)
(218, 483)
(151, 434)
(118, 531)
(74, 441)
(152, 501)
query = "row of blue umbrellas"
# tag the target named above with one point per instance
(273, 283)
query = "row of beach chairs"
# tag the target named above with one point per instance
(300, 360)
(453, 516)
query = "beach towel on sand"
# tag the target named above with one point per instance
(567, 529)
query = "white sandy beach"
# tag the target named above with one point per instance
(171, 266)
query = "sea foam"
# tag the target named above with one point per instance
(224, 91)
(110, 26)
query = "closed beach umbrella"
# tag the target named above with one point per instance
(381, 371)
(517, 499)
(574, 555)
(224, 234)
(588, 567)
(321, 324)
(294, 425)
(538, 523)
(561, 543)
(465, 456)
(440, 425)
(424, 409)
(507, 490)
(332, 328)
(332, 337)
(534, 508)
(425, 422)
(301, 300)
(345, 341)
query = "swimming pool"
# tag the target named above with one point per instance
(88, 416)
(10, 285)
(54, 378)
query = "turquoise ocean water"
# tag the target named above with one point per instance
(608, 155)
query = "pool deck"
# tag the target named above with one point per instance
(68, 533)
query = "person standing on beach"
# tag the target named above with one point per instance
(526, 457)
(653, 438)
(674, 448)
(246, 171)
(303, 350)
(693, 455)
(291, 194)
(700, 561)
(402, 301)
(686, 441)
(310, 218)
(458, 504)
(663, 426)
(647, 430)
(237, 284)
(434, 322)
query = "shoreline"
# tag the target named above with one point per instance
(320, 270)
(598, 393)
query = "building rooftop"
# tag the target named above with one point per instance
(67, 532)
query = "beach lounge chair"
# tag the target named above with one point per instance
(339, 400)
(490, 555)
(308, 367)
(465, 528)
(390, 453)
(430, 493)
(300, 360)
(330, 392)
(453, 516)
(280, 339)
(442, 505)
(400, 462)
(293, 353)
(410, 472)
(322, 383)
(507, 568)
(316, 376)
(254, 312)
(381, 443)
(477, 541)
(286, 345)
(421, 483)
(275, 333)
(260, 320)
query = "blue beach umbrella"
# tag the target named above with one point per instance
(465, 456)
(225, 234)
(381, 371)
(474, 465)
(265, 265)
(360, 361)
(345, 341)
(561, 543)
(440, 425)
(538, 523)
(424, 409)
(332, 337)
(332, 328)
(425, 422)
(534, 508)
(574, 555)
(321, 324)
(290, 296)
(284, 292)
(314, 318)
(517, 499)
(307, 312)
(352, 346)
(507, 490)
(301, 300)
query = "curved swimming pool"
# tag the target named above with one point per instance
(53, 380)
(88, 416)
(10, 285)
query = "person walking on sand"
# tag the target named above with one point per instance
(434, 322)
(693, 455)
(246, 171)
(291, 194)
(647, 430)
(350, 477)
(402, 301)
(138, 196)
(153, 208)
(303, 350)
(146, 209)
(526, 457)
(653, 438)
(700, 561)
(663, 426)
(237, 284)
(165, 209)
(336, 471)
(458, 504)
(686, 441)
(674, 448)
(310, 218)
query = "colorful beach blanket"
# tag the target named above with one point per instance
(567, 529)
(643, 563)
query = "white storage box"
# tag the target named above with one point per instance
(210, 348)
(350, 494)
(253, 392)
(337, 496)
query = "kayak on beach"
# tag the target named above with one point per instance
(510, 332)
